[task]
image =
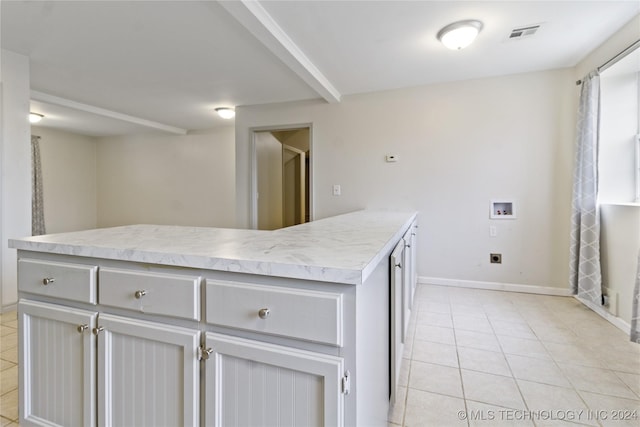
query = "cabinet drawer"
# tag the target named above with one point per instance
(75, 282)
(154, 293)
(296, 313)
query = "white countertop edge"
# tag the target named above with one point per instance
(271, 267)
(292, 271)
(386, 250)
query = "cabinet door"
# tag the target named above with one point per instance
(407, 289)
(413, 258)
(147, 373)
(250, 383)
(57, 365)
(397, 338)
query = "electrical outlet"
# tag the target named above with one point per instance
(495, 258)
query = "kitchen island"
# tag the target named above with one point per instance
(170, 325)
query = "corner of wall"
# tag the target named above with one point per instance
(622, 39)
(15, 167)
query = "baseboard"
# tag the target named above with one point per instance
(531, 289)
(8, 308)
(495, 286)
(615, 321)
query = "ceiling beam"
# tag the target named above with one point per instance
(63, 102)
(252, 16)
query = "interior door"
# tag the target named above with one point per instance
(281, 178)
(293, 186)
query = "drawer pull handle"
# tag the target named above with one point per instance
(48, 280)
(140, 294)
(82, 328)
(264, 313)
(97, 330)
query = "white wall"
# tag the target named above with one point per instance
(609, 48)
(179, 180)
(459, 146)
(15, 168)
(269, 177)
(619, 248)
(69, 180)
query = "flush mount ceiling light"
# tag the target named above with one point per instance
(460, 34)
(35, 117)
(226, 113)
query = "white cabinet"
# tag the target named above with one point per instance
(148, 373)
(403, 284)
(57, 365)
(251, 383)
(397, 324)
(76, 282)
(107, 342)
(296, 313)
(166, 294)
(412, 258)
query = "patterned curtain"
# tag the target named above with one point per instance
(585, 275)
(37, 204)
(635, 314)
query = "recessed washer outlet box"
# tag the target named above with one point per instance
(495, 258)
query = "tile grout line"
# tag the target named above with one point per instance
(455, 341)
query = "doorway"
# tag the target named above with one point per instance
(281, 191)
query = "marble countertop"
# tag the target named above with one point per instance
(341, 249)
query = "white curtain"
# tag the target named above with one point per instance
(585, 275)
(37, 202)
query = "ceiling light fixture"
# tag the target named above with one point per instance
(460, 34)
(35, 117)
(226, 113)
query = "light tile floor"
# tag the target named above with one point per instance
(8, 369)
(478, 357)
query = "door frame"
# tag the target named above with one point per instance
(253, 177)
(301, 157)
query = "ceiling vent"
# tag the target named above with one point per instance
(522, 32)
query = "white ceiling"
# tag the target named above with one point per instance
(172, 62)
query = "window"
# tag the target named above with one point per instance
(619, 148)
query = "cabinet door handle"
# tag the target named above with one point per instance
(97, 330)
(48, 280)
(139, 294)
(82, 328)
(263, 313)
(205, 353)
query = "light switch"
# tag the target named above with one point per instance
(337, 190)
(493, 232)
